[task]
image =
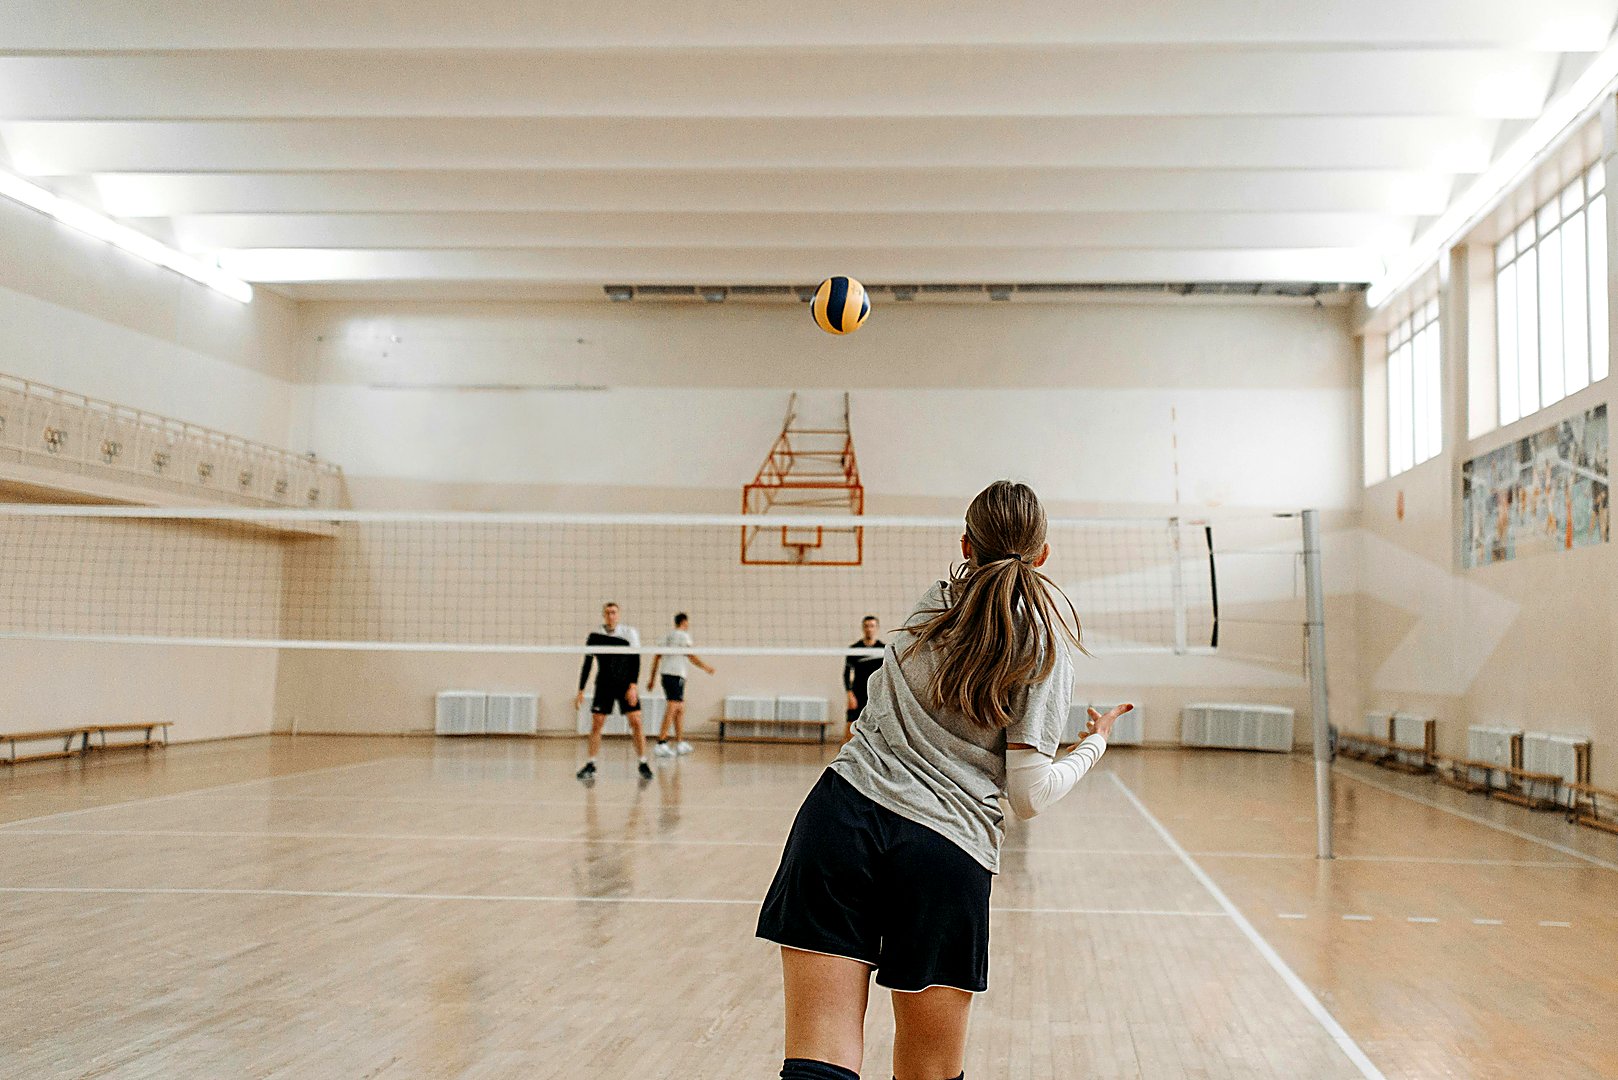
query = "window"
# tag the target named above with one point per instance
(1415, 406)
(1551, 299)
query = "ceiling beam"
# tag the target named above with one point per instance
(1452, 145)
(750, 230)
(104, 25)
(951, 189)
(906, 82)
(787, 266)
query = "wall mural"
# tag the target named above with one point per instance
(1546, 492)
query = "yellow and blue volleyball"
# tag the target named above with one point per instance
(840, 305)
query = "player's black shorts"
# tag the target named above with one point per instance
(673, 687)
(859, 706)
(608, 696)
(859, 881)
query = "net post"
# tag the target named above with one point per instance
(1316, 624)
(1177, 573)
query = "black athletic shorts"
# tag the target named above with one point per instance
(859, 881)
(859, 706)
(608, 696)
(673, 687)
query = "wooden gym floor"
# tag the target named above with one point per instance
(333, 907)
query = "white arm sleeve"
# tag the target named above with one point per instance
(1035, 781)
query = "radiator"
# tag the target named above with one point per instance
(784, 717)
(1493, 745)
(512, 714)
(744, 707)
(461, 712)
(1129, 731)
(802, 708)
(1410, 729)
(1378, 724)
(1558, 754)
(1237, 727)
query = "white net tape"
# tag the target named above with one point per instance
(536, 582)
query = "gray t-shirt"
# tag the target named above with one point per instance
(937, 768)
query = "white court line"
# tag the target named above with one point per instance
(493, 838)
(1161, 912)
(1421, 919)
(343, 894)
(1358, 918)
(1564, 925)
(458, 838)
(1546, 864)
(187, 794)
(1507, 829)
(1488, 922)
(1290, 915)
(510, 898)
(1305, 996)
(650, 802)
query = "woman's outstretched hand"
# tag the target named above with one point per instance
(1102, 725)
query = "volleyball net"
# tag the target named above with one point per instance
(536, 583)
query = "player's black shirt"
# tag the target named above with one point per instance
(857, 670)
(619, 671)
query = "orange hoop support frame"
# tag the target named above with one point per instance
(807, 469)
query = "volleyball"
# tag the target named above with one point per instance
(840, 305)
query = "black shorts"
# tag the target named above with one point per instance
(859, 706)
(673, 687)
(857, 880)
(608, 696)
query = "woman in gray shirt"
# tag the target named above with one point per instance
(889, 862)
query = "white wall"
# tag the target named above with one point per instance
(1115, 407)
(82, 315)
(207, 693)
(1094, 403)
(1084, 400)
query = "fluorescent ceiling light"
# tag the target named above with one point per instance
(1567, 110)
(119, 235)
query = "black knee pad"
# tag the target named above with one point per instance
(804, 1069)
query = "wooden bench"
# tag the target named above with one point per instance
(144, 727)
(83, 735)
(1522, 783)
(1460, 773)
(1385, 752)
(1357, 747)
(66, 734)
(1365, 747)
(1586, 807)
(818, 737)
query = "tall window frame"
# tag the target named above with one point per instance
(1415, 389)
(1551, 333)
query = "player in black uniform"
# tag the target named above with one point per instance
(615, 686)
(857, 671)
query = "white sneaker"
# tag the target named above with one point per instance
(683, 748)
(663, 749)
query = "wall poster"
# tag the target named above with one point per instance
(1546, 492)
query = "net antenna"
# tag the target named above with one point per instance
(810, 470)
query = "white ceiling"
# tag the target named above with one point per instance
(390, 148)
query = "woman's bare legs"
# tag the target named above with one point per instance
(929, 1036)
(825, 1006)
